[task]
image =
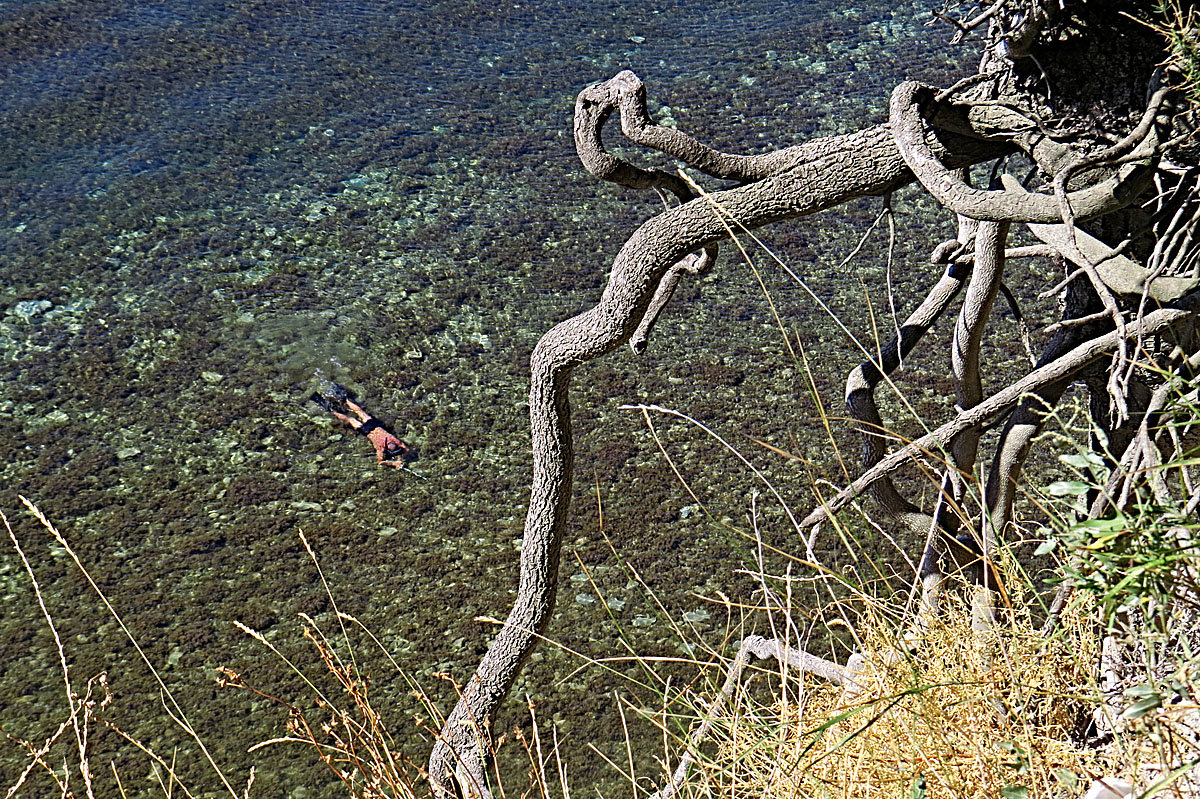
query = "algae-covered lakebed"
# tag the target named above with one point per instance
(208, 208)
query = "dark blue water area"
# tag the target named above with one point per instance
(209, 210)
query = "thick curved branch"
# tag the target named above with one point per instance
(907, 119)
(1020, 429)
(864, 410)
(593, 107)
(834, 170)
(625, 92)
(864, 378)
(968, 336)
(1058, 369)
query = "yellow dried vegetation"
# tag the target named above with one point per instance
(941, 712)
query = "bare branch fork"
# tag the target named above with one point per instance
(755, 646)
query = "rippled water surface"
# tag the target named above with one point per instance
(209, 208)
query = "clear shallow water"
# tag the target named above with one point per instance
(208, 207)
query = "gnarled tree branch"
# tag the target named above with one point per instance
(907, 119)
(1058, 369)
(822, 173)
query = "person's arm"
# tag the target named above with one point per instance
(357, 410)
(354, 423)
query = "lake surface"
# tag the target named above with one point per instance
(210, 209)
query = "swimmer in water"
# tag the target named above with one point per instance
(389, 449)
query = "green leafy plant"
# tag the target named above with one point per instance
(1182, 31)
(1134, 561)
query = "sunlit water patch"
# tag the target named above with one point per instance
(208, 208)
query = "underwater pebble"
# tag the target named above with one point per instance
(125, 453)
(212, 377)
(389, 531)
(30, 308)
(313, 506)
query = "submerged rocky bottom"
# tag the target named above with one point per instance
(173, 291)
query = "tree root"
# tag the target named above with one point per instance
(911, 132)
(863, 380)
(968, 338)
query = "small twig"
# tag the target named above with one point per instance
(1076, 321)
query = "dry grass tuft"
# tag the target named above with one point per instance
(939, 715)
(345, 732)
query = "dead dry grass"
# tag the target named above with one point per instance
(939, 715)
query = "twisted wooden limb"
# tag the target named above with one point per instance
(755, 646)
(863, 409)
(1019, 431)
(1011, 451)
(1058, 369)
(625, 92)
(593, 107)
(864, 378)
(964, 365)
(833, 170)
(860, 386)
(907, 119)
(968, 336)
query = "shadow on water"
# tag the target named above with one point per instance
(208, 206)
